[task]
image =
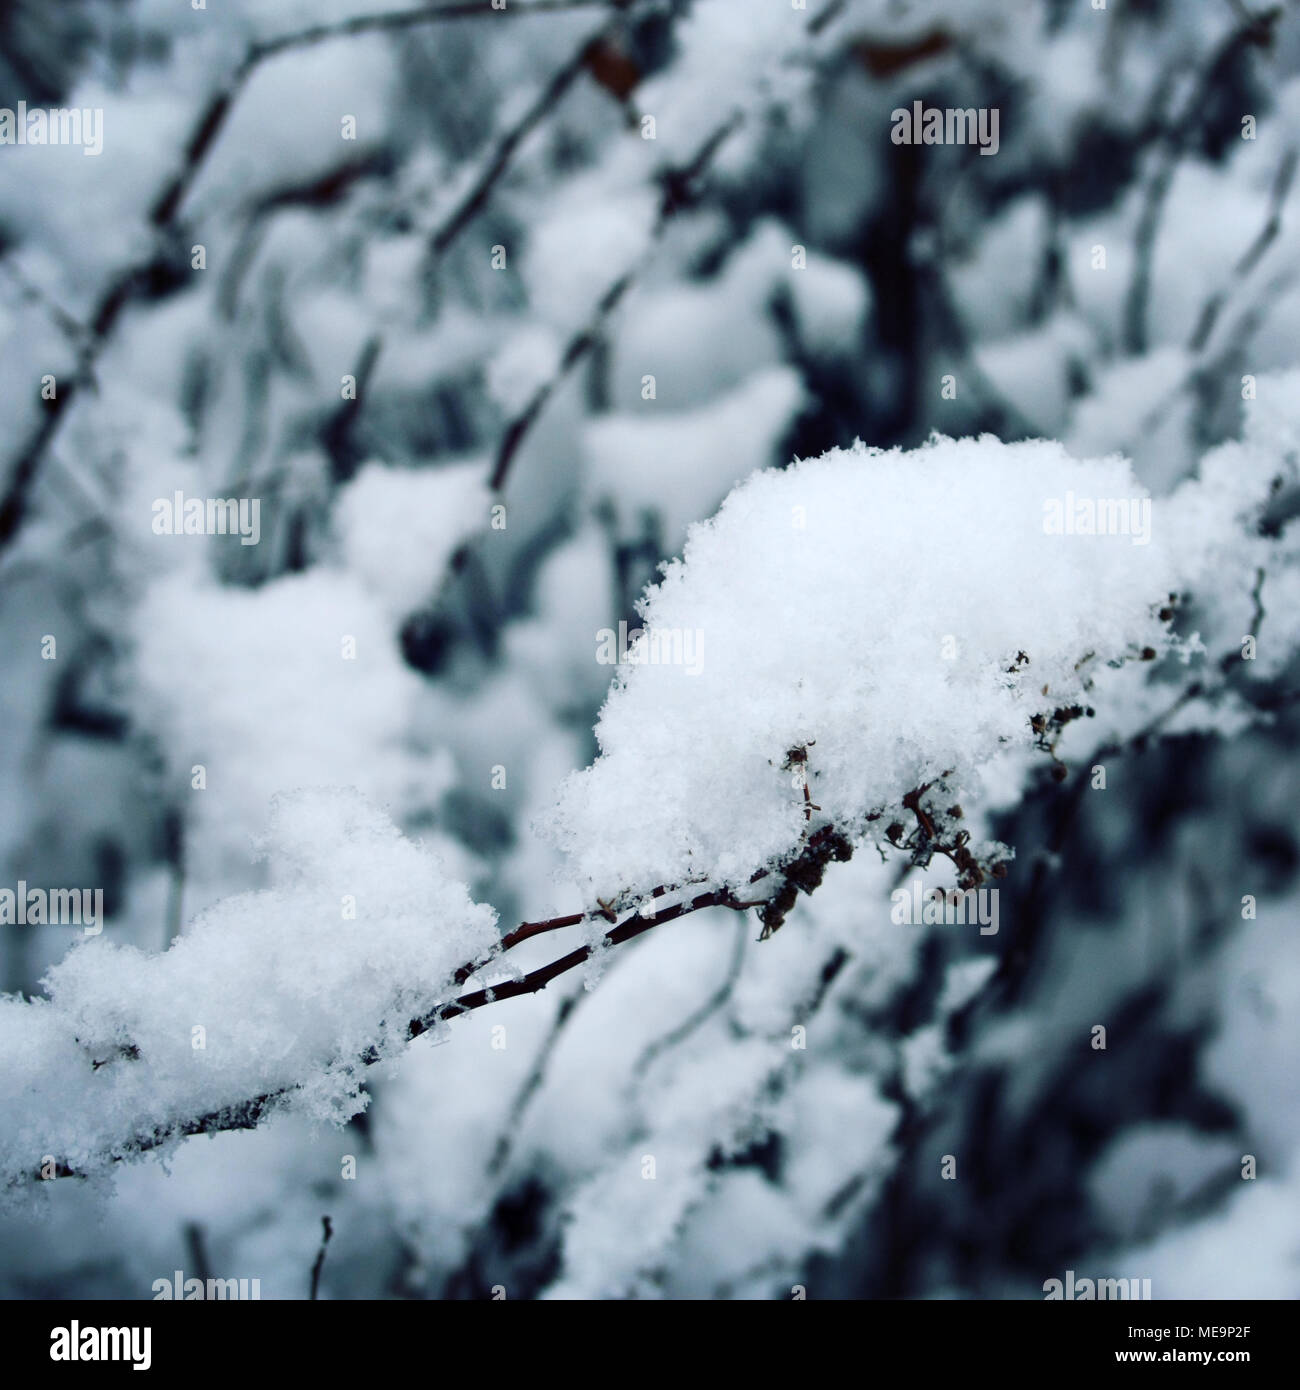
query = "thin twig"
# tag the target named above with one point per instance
(1177, 136)
(392, 21)
(532, 1084)
(677, 190)
(694, 1020)
(473, 201)
(67, 324)
(1254, 254)
(320, 1257)
(250, 1113)
(198, 1248)
(129, 284)
(632, 926)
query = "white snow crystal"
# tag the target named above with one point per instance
(869, 606)
(287, 989)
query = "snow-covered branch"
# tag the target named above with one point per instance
(849, 648)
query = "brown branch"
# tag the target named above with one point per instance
(803, 872)
(250, 1113)
(525, 930)
(632, 926)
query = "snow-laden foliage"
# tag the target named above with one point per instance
(580, 275)
(278, 993)
(902, 617)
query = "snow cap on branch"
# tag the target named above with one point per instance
(873, 609)
(268, 991)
